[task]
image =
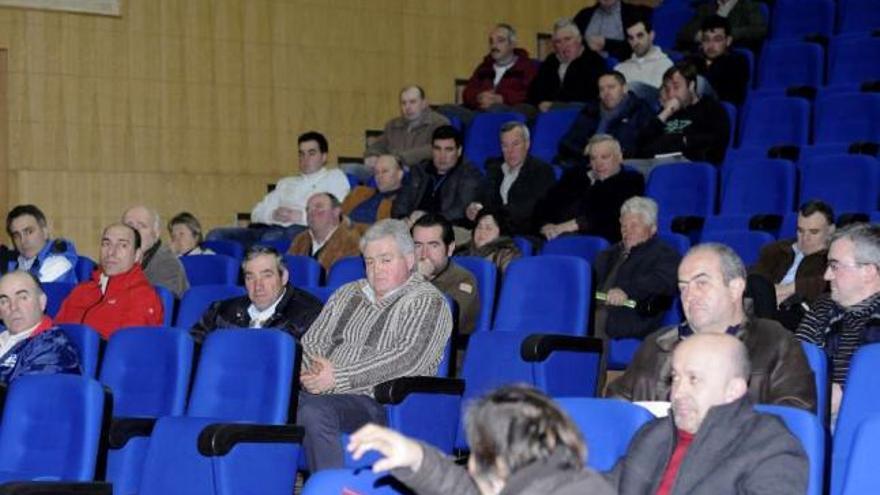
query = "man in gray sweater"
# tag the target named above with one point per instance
(390, 325)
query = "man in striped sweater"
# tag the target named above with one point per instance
(390, 325)
(850, 317)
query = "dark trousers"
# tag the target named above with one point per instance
(326, 417)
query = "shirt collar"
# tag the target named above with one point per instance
(256, 314)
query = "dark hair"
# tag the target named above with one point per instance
(190, 221)
(260, 250)
(22, 210)
(314, 136)
(615, 74)
(646, 21)
(334, 201)
(501, 218)
(817, 206)
(684, 67)
(447, 132)
(715, 22)
(518, 425)
(134, 231)
(436, 220)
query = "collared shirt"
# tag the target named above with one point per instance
(792, 270)
(607, 24)
(370, 294)
(258, 317)
(51, 268)
(510, 176)
(500, 70)
(8, 340)
(724, 8)
(103, 282)
(563, 67)
(316, 246)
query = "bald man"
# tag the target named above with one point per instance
(160, 265)
(737, 450)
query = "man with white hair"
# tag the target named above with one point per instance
(392, 324)
(850, 317)
(713, 441)
(635, 277)
(159, 263)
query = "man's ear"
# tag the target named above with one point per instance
(736, 388)
(450, 248)
(285, 276)
(138, 255)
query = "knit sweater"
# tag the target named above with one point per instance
(368, 342)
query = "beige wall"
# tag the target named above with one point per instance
(195, 104)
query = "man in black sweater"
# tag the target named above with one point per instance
(727, 72)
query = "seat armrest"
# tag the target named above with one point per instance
(395, 391)
(538, 347)
(219, 438)
(56, 488)
(124, 429)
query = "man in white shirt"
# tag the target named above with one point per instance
(644, 69)
(49, 260)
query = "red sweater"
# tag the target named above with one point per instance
(129, 300)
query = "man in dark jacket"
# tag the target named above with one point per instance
(445, 185)
(516, 182)
(713, 441)
(618, 112)
(271, 301)
(726, 71)
(712, 280)
(603, 26)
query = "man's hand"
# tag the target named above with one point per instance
(783, 292)
(285, 214)
(545, 105)
(488, 98)
(397, 450)
(473, 210)
(553, 230)
(596, 43)
(319, 377)
(615, 297)
(670, 106)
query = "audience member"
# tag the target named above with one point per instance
(603, 26)
(185, 232)
(587, 201)
(30, 344)
(521, 443)
(516, 182)
(49, 260)
(271, 301)
(618, 112)
(445, 185)
(329, 237)
(490, 239)
(568, 76)
(711, 280)
(407, 136)
(713, 440)
(637, 275)
(648, 62)
(160, 265)
(796, 267)
(727, 72)
(391, 325)
(119, 294)
(850, 317)
(747, 23)
(435, 243)
(367, 205)
(696, 127)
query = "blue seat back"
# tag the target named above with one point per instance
(790, 63)
(346, 270)
(582, 246)
(683, 189)
(854, 60)
(486, 274)
(524, 245)
(84, 268)
(482, 139)
(166, 297)
(758, 187)
(549, 129)
(232, 249)
(56, 292)
(847, 118)
(217, 269)
(807, 428)
(848, 182)
(746, 243)
(148, 369)
(680, 242)
(856, 16)
(87, 342)
(819, 364)
(668, 20)
(794, 19)
(303, 270)
(353, 481)
(323, 293)
(862, 475)
(197, 299)
(775, 120)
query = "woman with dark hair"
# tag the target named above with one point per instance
(186, 235)
(521, 443)
(491, 239)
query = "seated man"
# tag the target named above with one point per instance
(521, 442)
(30, 344)
(329, 237)
(711, 280)
(407, 136)
(648, 62)
(435, 243)
(160, 265)
(367, 205)
(391, 325)
(271, 301)
(696, 127)
(850, 317)
(618, 113)
(445, 185)
(747, 23)
(603, 26)
(636, 275)
(727, 72)
(569, 74)
(119, 294)
(516, 183)
(713, 441)
(796, 267)
(587, 201)
(282, 213)
(49, 260)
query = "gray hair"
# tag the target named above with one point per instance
(511, 33)
(566, 23)
(641, 205)
(396, 229)
(731, 264)
(261, 250)
(513, 124)
(866, 242)
(604, 138)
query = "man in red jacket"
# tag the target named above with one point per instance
(119, 294)
(504, 75)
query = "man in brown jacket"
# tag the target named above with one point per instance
(712, 279)
(328, 238)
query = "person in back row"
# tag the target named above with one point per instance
(49, 260)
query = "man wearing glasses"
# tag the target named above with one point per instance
(850, 316)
